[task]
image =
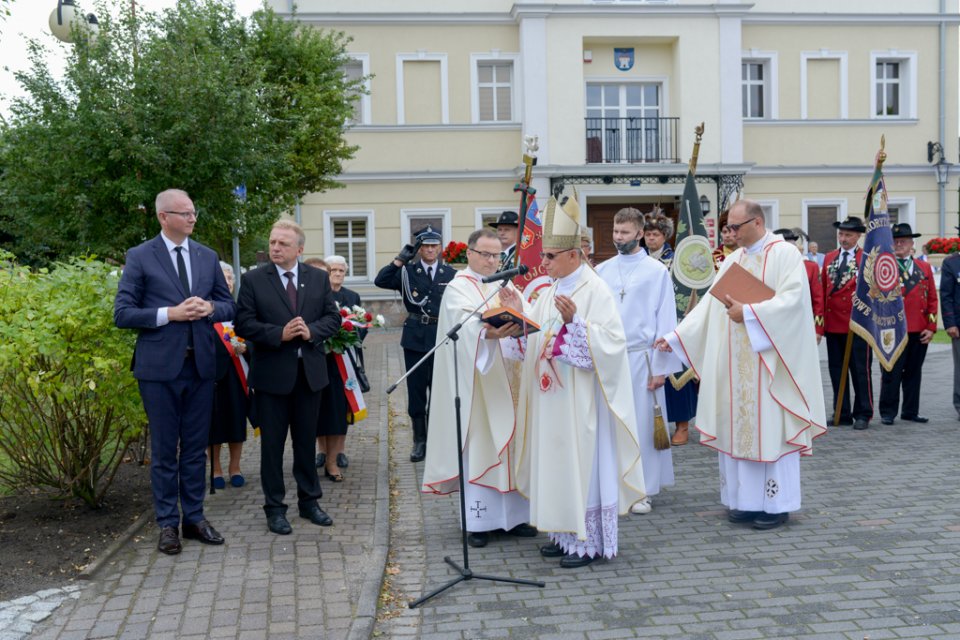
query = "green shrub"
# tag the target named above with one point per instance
(69, 406)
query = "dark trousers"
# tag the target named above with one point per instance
(906, 372)
(179, 415)
(297, 413)
(417, 383)
(861, 361)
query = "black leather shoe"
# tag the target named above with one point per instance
(740, 517)
(316, 515)
(572, 561)
(321, 460)
(523, 530)
(861, 424)
(419, 451)
(551, 550)
(278, 524)
(169, 541)
(886, 420)
(342, 460)
(202, 531)
(920, 419)
(767, 521)
(478, 539)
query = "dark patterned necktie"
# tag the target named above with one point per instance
(182, 270)
(840, 271)
(291, 291)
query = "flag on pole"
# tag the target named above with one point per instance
(692, 264)
(877, 314)
(531, 244)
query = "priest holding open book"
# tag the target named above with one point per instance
(487, 405)
(754, 349)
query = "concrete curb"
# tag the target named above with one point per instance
(365, 616)
(91, 569)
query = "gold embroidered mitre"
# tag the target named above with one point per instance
(561, 225)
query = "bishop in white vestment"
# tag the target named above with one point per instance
(487, 406)
(643, 295)
(761, 395)
(578, 457)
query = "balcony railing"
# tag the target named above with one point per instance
(631, 140)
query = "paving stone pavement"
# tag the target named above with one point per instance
(874, 553)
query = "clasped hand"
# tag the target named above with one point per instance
(193, 308)
(296, 328)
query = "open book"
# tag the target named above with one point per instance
(502, 315)
(741, 285)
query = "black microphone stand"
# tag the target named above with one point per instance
(465, 572)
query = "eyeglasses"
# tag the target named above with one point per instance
(736, 227)
(553, 256)
(186, 215)
(486, 255)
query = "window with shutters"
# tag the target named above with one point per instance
(413, 221)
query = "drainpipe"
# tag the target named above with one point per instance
(943, 114)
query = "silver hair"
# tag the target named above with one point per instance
(337, 260)
(226, 266)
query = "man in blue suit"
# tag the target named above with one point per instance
(172, 291)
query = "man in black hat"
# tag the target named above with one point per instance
(950, 303)
(420, 277)
(795, 237)
(839, 278)
(920, 307)
(507, 226)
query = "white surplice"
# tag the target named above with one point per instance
(643, 293)
(487, 414)
(578, 458)
(761, 395)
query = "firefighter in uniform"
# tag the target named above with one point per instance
(420, 277)
(839, 278)
(920, 306)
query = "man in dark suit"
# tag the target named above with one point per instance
(920, 307)
(839, 280)
(421, 283)
(286, 310)
(507, 226)
(950, 308)
(172, 291)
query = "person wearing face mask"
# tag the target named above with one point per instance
(643, 293)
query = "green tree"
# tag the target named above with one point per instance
(195, 97)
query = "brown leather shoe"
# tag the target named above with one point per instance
(169, 541)
(202, 531)
(680, 436)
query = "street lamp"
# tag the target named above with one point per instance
(705, 205)
(942, 168)
(66, 15)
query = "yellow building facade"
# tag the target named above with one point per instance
(794, 95)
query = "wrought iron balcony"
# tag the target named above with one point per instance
(631, 140)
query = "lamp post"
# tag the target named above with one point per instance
(66, 15)
(942, 170)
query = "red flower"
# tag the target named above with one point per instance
(344, 313)
(368, 317)
(348, 325)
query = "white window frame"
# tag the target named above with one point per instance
(839, 203)
(908, 83)
(493, 56)
(771, 84)
(772, 221)
(329, 216)
(480, 212)
(423, 56)
(823, 54)
(406, 215)
(364, 60)
(908, 210)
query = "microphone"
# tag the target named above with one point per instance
(506, 275)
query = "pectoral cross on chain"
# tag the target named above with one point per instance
(622, 293)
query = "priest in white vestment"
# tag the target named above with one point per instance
(643, 294)
(761, 396)
(486, 406)
(578, 457)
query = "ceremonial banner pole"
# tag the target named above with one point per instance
(531, 146)
(877, 314)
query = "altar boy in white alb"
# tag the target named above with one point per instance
(577, 454)
(487, 407)
(761, 396)
(643, 294)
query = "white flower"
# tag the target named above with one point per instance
(380, 320)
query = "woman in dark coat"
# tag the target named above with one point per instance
(229, 420)
(334, 412)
